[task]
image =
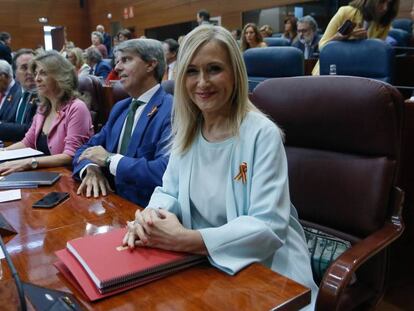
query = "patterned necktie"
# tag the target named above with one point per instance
(22, 108)
(128, 125)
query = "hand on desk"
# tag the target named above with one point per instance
(15, 166)
(162, 229)
(95, 182)
(96, 154)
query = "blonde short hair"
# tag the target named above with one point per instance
(187, 116)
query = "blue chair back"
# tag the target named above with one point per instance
(273, 41)
(404, 24)
(371, 58)
(272, 62)
(401, 36)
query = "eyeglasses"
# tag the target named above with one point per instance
(304, 30)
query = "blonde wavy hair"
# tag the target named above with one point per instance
(187, 117)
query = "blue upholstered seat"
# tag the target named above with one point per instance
(273, 41)
(401, 36)
(371, 58)
(272, 62)
(404, 24)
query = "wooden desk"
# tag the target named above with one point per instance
(42, 232)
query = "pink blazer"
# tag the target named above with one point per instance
(70, 129)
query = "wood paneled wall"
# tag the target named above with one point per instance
(20, 17)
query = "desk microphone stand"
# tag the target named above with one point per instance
(42, 299)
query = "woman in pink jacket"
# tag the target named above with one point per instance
(63, 121)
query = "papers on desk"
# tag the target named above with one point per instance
(7, 155)
(10, 195)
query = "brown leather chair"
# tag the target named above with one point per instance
(91, 88)
(343, 138)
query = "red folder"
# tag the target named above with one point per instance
(100, 269)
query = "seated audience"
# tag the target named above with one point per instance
(19, 115)
(170, 47)
(97, 40)
(308, 37)
(291, 30)
(370, 18)
(62, 123)
(98, 67)
(251, 38)
(225, 192)
(10, 92)
(130, 152)
(5, 51)
(75, 56)
(266, 31)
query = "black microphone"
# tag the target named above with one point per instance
(42, 299)
(16, 278)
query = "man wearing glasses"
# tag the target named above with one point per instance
(308, 37)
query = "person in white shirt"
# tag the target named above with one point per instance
(170, 47)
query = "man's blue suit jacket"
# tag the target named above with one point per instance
(9, 107)
(142, 168)
(102, 69)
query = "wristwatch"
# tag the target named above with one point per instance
(34, 163)
(108, 159)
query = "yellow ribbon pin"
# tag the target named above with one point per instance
(153, 111)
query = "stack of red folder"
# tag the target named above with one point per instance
(101, 267)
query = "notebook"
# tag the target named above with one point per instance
(110, 267)
(7, 155)
(36, 178)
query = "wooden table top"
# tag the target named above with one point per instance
(42, 232)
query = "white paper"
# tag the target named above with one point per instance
(1, 257)
(10, 195)
(6, 155)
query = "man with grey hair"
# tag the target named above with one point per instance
(17, 118)
(10, 90)
(308, 37)
(130, 152)
(99, 67)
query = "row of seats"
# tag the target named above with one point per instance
(353, 58)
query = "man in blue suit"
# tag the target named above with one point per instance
(130, 152)
(10, 91)
(17, 117)
(99, 67)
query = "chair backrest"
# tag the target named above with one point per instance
(118, 93)
(91, 88)
(401, 36)
(371, 58)
(274, 41)
(404, 24)
(272, 62)
(342, 144)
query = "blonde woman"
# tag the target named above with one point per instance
(225, 191)
(75, 56)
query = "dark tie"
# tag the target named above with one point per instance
(128, 125)
(22, 108)
(91, 71)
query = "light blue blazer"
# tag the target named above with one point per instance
(262, 225)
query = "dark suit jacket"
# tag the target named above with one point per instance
(142, 168)
(314, 49)
(102, 69)
(12, 131)
(5, 53)
(9, 107)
